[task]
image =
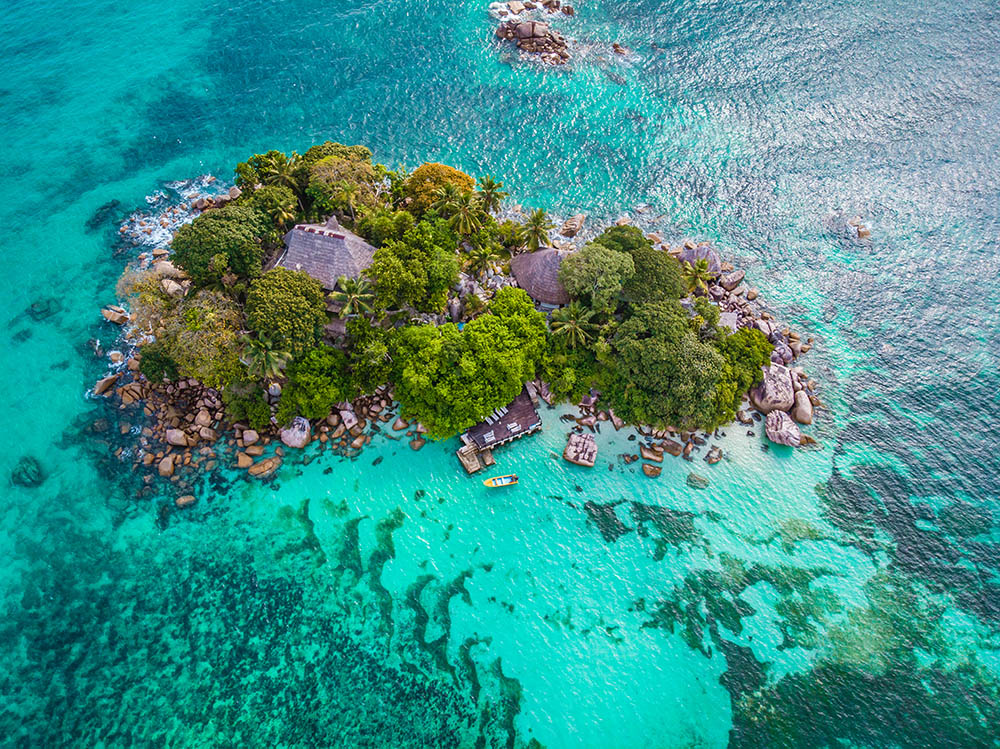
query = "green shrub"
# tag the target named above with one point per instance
(252, 410)
(220, 240)
(417, 270)
(382, 225)
(201, 333)
(156, 364)
(289, 308)
(316, 381)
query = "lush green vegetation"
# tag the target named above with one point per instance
(288, 308)
(235, 327)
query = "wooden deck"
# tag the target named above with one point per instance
(519, 418)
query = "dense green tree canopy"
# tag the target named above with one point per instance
(316, 380)
(596, 274)
(201, 334)
(449, 380)
(341, 184)
(664, 376)
(423, 185)
(657, 277)
(381, 225)
(624, 239)
(220, 240)
(417, 270)
(289, 308)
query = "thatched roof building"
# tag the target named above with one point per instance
(538, 274)
(326, 252)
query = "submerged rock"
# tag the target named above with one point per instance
(264, 468)
(28, 472)
(714, 455)
(697, 482)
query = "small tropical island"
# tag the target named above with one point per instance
(325, 295)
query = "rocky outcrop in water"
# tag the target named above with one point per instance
(536, 38)
(581, 449)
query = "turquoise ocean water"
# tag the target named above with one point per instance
(848, 595)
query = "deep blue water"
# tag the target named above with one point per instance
(844, 596)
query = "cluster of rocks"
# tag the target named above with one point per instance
(183, 428)
(520, 7)
(492, 280)
(205, 202)
(582, 449)
(536, 38)
(787, 398)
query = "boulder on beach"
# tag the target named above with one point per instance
(417, 442)
(581, 449)
(264, 468)
(802, 411)
(673, 447)
(400, 424)
(651, 470)
(348, 418)
(114, 313)
(250, 437)
(176, 437)
(297, 434)
(571, 226)
(714, 455)
(243, 460)
(781, 430)
(650, 453)
(731, 280)
(775, 392)
(104, 385)
(166, 466)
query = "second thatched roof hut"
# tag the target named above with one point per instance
(538, 274)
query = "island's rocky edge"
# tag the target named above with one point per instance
(182, 428)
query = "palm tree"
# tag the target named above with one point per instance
(346, 194)
(491, 194)
(262, 359)
(280, 170)
(282, 215)
(536, 229)
(480, 258)
(355, 296)
(446, 197)
(573, 324)
(697, 276)
(468, 211)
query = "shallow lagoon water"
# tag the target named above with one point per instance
(841, 595)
